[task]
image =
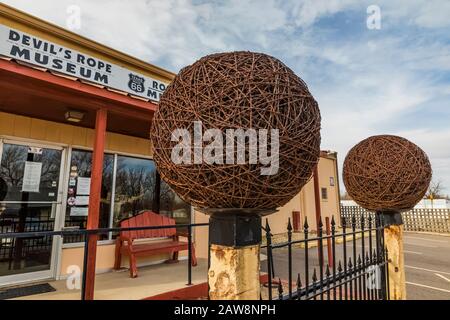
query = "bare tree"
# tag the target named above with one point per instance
(435, 190)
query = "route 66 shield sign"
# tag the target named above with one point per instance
(136, 83)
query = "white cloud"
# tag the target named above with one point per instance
(307, 12)
(427, 14)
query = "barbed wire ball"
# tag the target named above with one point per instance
(232, 91)
(386, 173)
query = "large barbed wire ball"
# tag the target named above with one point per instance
(239, 90)
(386, 173)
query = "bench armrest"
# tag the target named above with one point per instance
(123, 239)
(182, 234)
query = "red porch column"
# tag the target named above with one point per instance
(318, 208)
(94, 199)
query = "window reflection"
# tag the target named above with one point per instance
(172, 206)
(76, 213)
(137, 188)
(136, 191)
(12, 167)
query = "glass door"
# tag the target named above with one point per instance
(30, 199)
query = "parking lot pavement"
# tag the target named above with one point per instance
(427, 264)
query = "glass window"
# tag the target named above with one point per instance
(324, 194)
(139, 188)
(135, 187)
(172, 206)
(78, 192)
(15, 159)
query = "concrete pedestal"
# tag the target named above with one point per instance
(235, 238)
(234, 273)
(393, 238)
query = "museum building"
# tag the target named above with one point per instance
(75, 151)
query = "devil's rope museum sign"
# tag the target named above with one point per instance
(34, 50)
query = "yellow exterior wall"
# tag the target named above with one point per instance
(201, 235)
(304, 202)
(52, 132)
(330, 207)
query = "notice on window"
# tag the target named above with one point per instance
(82, 200)
(31, 176)
(78, 211)
(83, 186)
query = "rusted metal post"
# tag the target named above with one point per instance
(318, 208)
(329, 248)
(296, 220)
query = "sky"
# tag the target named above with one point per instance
(374, 67)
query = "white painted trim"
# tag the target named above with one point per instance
(33, 142)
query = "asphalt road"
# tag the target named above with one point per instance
(427, 264)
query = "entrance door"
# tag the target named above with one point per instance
(30, 200)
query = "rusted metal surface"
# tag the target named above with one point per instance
(238, 90)
(318, 211)
(234, 273)
(393, 237)
(386, 173)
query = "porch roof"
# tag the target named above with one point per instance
(31, 91)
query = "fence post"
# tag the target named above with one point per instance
(393, 243)
(235, 236)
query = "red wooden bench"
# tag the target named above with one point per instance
(125, 244)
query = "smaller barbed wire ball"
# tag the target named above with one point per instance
(238, 90)
(386, 173)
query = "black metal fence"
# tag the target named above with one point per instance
(421, 220)
(354, 267)
(86, 233)
(30, 245)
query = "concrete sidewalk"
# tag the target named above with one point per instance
(117, 285)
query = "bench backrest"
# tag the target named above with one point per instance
(145, 219)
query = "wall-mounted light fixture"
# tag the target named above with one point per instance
(74, 116)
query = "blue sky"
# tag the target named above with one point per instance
(392, 80)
